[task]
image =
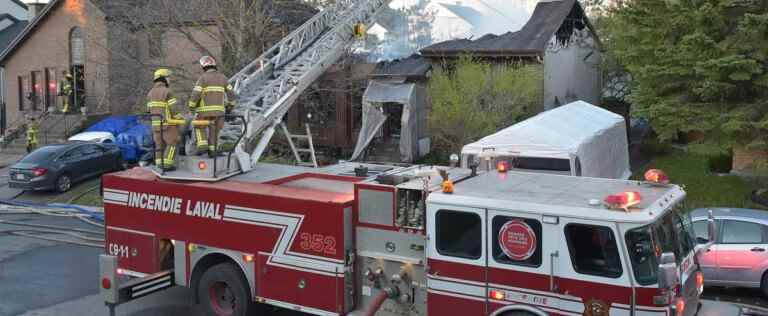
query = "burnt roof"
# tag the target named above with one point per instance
(532, 39)
(413, 66)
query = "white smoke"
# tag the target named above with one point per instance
(421, 23)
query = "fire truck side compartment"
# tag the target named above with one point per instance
(297, 261)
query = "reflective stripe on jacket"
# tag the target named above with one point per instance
(212, 94)
(161, 101)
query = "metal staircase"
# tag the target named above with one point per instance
(267, 88)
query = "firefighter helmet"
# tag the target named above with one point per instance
(68, 76)
(162, 73)
(207, 61)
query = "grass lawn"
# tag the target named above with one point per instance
(704, 188)
(91, 198)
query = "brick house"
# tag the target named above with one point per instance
(111, 53)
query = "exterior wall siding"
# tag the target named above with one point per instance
(571, 72)
(47, 46)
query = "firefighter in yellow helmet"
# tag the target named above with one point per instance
(66, 89)
(32, 128)
(161, 101)
(211, 98)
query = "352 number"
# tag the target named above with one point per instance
(318, 243)
(118, 250)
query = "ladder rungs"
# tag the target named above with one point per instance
(300, 136)
(303, 150)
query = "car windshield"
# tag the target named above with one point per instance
(646, 244)
(41, 155)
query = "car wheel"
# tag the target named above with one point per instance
(222, 290)
(63, 183)
(764, 284)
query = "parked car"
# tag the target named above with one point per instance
(57, 167)
(739, 256)
(96, 137)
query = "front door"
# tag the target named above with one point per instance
(740, 253)
(456, 260)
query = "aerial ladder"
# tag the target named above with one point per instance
(268, 87)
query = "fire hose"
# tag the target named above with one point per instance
(383, 295)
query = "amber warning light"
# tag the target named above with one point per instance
(656, 176)
(623, 200)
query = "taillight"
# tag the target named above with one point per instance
(700, 282)
(106, 283)
(39, 171)
(679, 306)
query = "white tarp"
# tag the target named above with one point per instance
(597, 137)
(380, 92)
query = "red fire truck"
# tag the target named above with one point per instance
(326, 243)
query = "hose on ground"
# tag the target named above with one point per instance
(98, 216)
(376, 304)
(87, 244)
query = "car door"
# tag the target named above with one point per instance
(95, 163)
(708, 259)
(741, 252)
(72, 163)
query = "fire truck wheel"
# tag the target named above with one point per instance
(223, 291)
(518, 313)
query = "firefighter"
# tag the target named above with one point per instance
(32, 127)
(66, 91)
(166, 135)
(211, 98)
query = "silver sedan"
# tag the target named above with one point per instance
(739, 257)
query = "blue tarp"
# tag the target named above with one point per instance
(131, 136)
(115, 124)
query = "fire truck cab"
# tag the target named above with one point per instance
(402, 242)
(529, 244)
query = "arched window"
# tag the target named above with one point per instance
(76, 47)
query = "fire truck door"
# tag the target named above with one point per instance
(590, 272)
(456, 260)
(520, 252)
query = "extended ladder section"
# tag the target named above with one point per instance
(267, 88)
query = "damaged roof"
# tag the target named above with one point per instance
(531, 40)
(413, 66)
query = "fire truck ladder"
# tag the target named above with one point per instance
(267, 88)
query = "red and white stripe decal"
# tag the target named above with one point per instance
(281, 254)
(546, 301)
(118, 197)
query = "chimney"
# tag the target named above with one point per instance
(34, 8)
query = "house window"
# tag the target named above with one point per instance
(459, 234)
(593, 250)
(24, 93)
(50, 89)
(155, 43)
(37, 90)
(76, 46)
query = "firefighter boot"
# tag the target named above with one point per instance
(202, 141)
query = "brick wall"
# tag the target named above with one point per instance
(47, 46)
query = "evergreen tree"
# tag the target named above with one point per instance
(696, 65)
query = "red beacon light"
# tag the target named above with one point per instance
(656, 176)
(502, 166)
(623, 200)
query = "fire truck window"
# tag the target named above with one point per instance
(459, 234)
(642, 255)
(516, 241)
(593, 250)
